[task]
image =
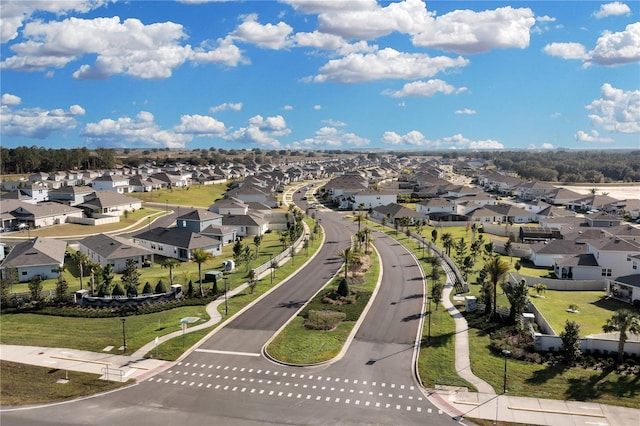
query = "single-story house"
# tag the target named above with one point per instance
(110, 203)
(41, 256)
(107, 249)
(177, 243)
(392, 212)
(246, 225)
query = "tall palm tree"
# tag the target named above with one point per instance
(201, 256)
(496, 268)
(623, 321)
(80, 259)
(170, 263)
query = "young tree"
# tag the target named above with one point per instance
(623, 321)
(434, 235)
(252, 280)
(35, 288)
(171, 263)
(508, 249)
(131, 277)
(238, 249)
(201, 256)
(61, 290)
(257, 240)
(436, 293)
(343, 287)
(347, 255)
(461, 249)
(190, 289)
(571, 342)
(540, 289)
(108, 275)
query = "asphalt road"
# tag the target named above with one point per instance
(226, 381)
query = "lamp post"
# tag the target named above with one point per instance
(506, 353)
(124, 335)
(271, 268)
(226, 306)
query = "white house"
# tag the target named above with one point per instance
(177, 243)
(435, 205)
(371, 199)
(40, 256)
(119, 184)
(107, 249)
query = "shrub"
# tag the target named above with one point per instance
(160, 287)
(343, 287)
(117, 291)
(147, 288)
(324, 320)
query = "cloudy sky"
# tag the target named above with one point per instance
(314, 74)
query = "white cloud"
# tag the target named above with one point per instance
(594, 136)
(612, 9)
(324, 41)
(611, 48)
(15, 13)
(261, 131)
(9, 99)
(425, 88)
(617, 110)
(288, 107)
(466, 111)
(317, 107)
(384, 64)
(36, 123)
(547, 146)
(324, 6)
(122, 47)
(555, 115)
(618, 48)
(566, 50)
(267, 36)
(141, 130)
(331, 137)
(225, 106)
(334, 123)
(457, 141)
(468, 32)
(200, 125)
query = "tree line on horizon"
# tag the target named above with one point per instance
(594, 166)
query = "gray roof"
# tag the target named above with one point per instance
(113, 247)
(200, 215)
(560, 247)
(37, 252)
(585, 259)
(178, 237)
(109, 199)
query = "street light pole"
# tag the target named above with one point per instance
(226, 306)
(271, 268)
(506, 353)
(124, 336)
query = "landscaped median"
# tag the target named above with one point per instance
(304, 340)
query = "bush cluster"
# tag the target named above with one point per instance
(324, 320)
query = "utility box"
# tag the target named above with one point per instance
(228, 265)
(470, 303)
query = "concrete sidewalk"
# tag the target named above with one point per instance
(486, 404)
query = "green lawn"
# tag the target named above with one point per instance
(195, 196)
(15, 376)
(296, 344)
(594, 309)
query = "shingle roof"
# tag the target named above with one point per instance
(40, 251)
(113, 247)
(177, 237)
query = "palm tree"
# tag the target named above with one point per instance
(359, 218)
(623, 321)
(170, 263)
(496, 268)
(80, 259)
(200, 256)
(347, 255)
(447, 242)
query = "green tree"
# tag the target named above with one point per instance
(434, 235)
(201, 256)
(117, 290)
(508, 249)
(35, 288)
(447, 242)
(81, 260)
(623, 321)
(147, 289)
(540, 289)
(131, 277)
(252, 280)
(160, 287)
(343, 287)
(257, 240)
(571, 342)
(496, 269)
(171, 263)
(284, 238)
(436, 292)
(238, 249)
(108, 275)
(518, 295)
(347, 255)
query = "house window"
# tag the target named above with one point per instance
(24, 272)
(606, 272)
(634, 265)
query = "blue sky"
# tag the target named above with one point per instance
(333, 74)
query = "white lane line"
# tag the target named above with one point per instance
(213, 351)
